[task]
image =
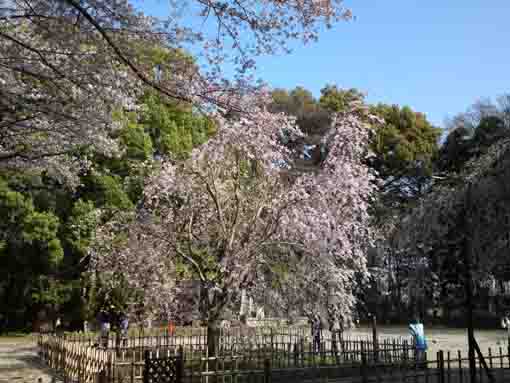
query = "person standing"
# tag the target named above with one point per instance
(171, 328)
(505, 323)
(336, 329)
(419, 341)
(104, 328)
(124, 327)
(58, 327)
(316, 333)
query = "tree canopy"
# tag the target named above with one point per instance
(300, 103)
(49, 225)
(94, 95)
(229, 218)
(405, 147)
(464, 209)
(66, 65)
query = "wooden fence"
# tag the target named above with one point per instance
(242, 369)
(196, 336)
(78, 357)
(235, 339)
(261, 356)
(76, 362)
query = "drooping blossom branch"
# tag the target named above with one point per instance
(231, 218)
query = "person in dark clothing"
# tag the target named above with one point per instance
(316, 333)
(124, 327)
(104, 325)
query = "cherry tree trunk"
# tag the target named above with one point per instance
(213, 337)
(209, 314)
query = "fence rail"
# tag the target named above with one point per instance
(234, 339)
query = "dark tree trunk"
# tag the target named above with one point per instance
(210, 314)
(213, 337)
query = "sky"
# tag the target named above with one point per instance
(437, 56)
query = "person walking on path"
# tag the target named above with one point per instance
(419, 341)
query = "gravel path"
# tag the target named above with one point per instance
(446, 339)
(19, 362)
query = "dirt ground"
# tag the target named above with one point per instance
(19, 362)
(446, 339)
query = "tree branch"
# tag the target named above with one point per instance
(183, 256)
(138, 73)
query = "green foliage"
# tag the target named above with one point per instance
(174, 128)
(296, 102)
(455, 151)
(335, 99)
(112, 301)
(107, 191)
(14, 207)
(137, 142)
(300, 103)
(465, 143)
(31, 251)
(45, 192)
(40, 227)
(153, 55)
(490, 130)
(46, 228)
(208, 264)
(81, 226)
(49, 291)
(23, 226)
(134, 182)
(405, 147)
(55, 252)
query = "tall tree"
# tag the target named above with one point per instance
(469, 205)
(70, 215)
(32, 255)
(466, 142)
(472, 132)
(300, 103)
(405, 147)
(230, 218)
(335, 99)
(474, 135)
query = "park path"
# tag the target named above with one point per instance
(444, 338)
(19, 362)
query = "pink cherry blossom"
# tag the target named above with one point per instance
(231, 218)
